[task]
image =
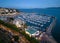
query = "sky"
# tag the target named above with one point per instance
(29, 3)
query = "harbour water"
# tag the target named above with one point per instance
(49, 11)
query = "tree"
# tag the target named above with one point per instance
(11, 19)
(16, 38)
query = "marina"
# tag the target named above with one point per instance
(37, 22)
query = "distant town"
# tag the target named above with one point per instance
(21, 27)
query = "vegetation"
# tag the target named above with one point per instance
(31, 39)
(11, 18)
(16, 38)
(25, 25)
(4, 38)
(11, 26)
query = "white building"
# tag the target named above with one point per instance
(18, 22)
